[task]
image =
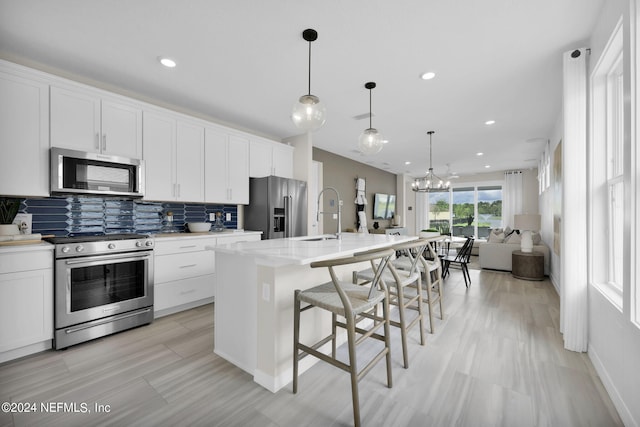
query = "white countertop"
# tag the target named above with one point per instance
(225, 233)
(26, 247)
(297, 251)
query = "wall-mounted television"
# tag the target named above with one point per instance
(384, 206)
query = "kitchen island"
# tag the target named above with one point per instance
(254, 299)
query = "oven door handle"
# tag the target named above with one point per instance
(92, 260)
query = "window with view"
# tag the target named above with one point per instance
(466, 211)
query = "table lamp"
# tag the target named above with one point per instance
(526, 223)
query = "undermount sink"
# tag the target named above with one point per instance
(314, 238)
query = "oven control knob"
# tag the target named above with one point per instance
(79, 248)
(138, 244)
(111, 246)
(65, 249)
(149, 243)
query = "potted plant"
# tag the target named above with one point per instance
(8, 210)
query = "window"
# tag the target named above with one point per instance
(463, 208)
(466, 211)
(606, 180)
(615, 172)
(439, 212)
(489, 210)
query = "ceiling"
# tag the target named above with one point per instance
(244, 63)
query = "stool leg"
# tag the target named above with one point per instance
(429, 284)
(387, 338)
(353, 364)
(420, 311)
(403, 326)
(296, 338)
(334, 319)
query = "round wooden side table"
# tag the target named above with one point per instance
(527, 265)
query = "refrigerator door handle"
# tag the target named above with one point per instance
(287, 216)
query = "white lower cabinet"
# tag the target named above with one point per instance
(184, 270)
(26, 301)
(184, 273)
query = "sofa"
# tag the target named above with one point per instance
(495, 253)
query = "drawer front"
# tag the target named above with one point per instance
(173, 294)
(25, 261)
(168, 268)
(164, 247)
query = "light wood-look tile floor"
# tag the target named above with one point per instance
(496, 360)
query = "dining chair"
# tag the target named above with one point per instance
(353, 308)
(461, 258)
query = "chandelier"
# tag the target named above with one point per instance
(430, 182)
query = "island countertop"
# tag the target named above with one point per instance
(307, 249)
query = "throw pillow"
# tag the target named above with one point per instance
(508, 231)
(513, 238)
(495, 238)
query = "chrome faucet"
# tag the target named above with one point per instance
(338, 233)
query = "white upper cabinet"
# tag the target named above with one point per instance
(86, 122)
(159, 156)
(174, 159)
(24, 136)
(190, 162)
(226, 167)
(270, 158)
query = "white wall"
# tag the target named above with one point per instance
(614, 341)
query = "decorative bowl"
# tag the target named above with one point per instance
(199, 227)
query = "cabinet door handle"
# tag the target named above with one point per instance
(178, 185)
(104, 142)
(187, 247)
(190, 291)
(97, 140)
(188, 265)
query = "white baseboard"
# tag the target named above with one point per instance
(25, 351)
(619, 404)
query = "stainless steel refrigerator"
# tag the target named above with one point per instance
(277, 207)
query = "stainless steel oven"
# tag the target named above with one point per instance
(103, 285)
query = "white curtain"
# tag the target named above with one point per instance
(511, 197)
(422, 211)
(573, 229)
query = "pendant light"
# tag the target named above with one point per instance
(309, 113)
(431, 182)
(370, 141)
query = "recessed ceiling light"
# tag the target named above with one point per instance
(489, 122)
(385, 141)
(487, 166)
(428, 75)
(167, 62)
(407, 163)
(479, 153)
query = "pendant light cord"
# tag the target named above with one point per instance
(370, 127)
(309, 68)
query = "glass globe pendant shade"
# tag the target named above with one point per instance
(309, 113)
(370, 141)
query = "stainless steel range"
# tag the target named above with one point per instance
(103, 284)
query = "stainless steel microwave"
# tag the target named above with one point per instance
(79, 172)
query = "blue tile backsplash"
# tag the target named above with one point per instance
(91, 215)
